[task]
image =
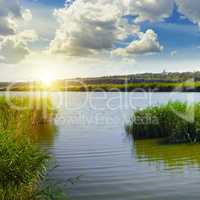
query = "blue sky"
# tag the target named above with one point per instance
(176, 32)
(97, 38)
(57, 3)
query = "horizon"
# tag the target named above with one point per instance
(99, 77)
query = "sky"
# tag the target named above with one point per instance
(90, 38)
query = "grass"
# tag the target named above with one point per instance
(176, 122)
(22, 163)
(23, 113)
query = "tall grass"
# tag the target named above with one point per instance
(175, 121)
(23, 113)
(22, 163)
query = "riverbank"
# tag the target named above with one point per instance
(23, 164)
(137, 87)
(107, 87)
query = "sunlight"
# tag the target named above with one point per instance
(47, 78)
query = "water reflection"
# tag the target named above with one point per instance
(172, 157)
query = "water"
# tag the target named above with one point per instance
(91, 144)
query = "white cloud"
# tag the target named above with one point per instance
(14, 48)
(9, 11)
(14, 42)
(96, 26)
(43, 22)
(85, 27)
(7, 26)
(151, 10)
(89, 27)
(147, 43)
(27, 15)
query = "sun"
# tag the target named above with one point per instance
(47, 81)
(47, 78)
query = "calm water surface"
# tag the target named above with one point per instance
(91, 143)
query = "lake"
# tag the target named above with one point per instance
(91, 144)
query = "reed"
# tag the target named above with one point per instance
(176, 122)
(23, 113)
(23, 164)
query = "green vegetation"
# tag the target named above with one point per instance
(22, 163)
(23, 113)
(136, 87)
(155, 82)
(114, 87)
(176, 122)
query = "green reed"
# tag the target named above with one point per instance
(22, 163)
(176, 122)
(23, 113)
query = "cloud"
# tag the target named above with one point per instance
(190, 9)
(13, 42)
(14, 48)
(7, 26)
(27, 15)
(9, 11)
(150, 10)
(89, 27)
(97, 27)
(13, 7)
(147, 43)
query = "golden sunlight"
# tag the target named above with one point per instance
(47, 78)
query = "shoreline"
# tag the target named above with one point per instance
(108, 91)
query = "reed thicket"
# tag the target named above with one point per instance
(22, 163)
(23, 113)
(177, 122)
